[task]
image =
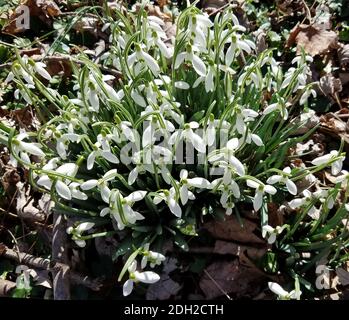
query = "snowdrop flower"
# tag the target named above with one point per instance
(281, 106)
(343, 178)
(243, 116)
(98, 152)
(251, 137)
(189, 136)
(228, 154)
(101, 184)
(40, 69)
(271, 232)
(283, 294)
(22, 149)
(120, 208)
(336, 166)
(189, 56)
(261, 189)
(237, 45)
(21, 92)
(170, 198)
(145, 58)
(62, 186)
(62, 142)
(307, 93)
(154, 258)
(186, 183)
(77, 232)
(313, 212)
(136, 276)
(284, 178)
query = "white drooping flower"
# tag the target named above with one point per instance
(135, 276)
(101, 184)
(40, 69)
(261, 189)
(186, 184)
(145, 58)
(154, 258)
(336, 166)
(188, 135)
(171, 199)
(98, 152)
(77, 232)
(23, 149)
(280, 106)
(271, 233)
(64, 187)
(285, 179)
(283, 294)
(343, 178)
(227, 153)
(190, 56)
(120, 208)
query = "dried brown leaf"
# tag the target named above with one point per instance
(313, 38)
(231, 230)
(229, 277)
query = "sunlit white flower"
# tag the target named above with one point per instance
(283, 294)
(278, 106)
(136, 276)
(76, 232)
(336, 166)
(171, 199)
(101, 184)
(284, 178)
(22, 149)
(145, 58)
(185, 184)
(228, 154)
(40, 69)
(63, 186)
(261, 189)
(189, 56)
(120, 208)
(189, 136)
(154, 258)
(271, 233)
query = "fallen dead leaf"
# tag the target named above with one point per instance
(330, 85)
(313, 38)
(230, 277)
(231, 230)
(343, 55)
(165, 287)
(343, 276)
(225, 247)
(45, 10)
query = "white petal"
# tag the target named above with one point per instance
(258, 200)
(252, 184)
(199, 183)
(274, 179)
(175, 208)
(277, 289)
(199, 66)
(291, 187)
(136, 196)
(63, 190)
(32, 149)
(127, 287)
(87, 185)
(270, 189)
(151, 63)
(147, 277)
(91, 160)
(84, 227)
(240, 170)
(322, 160)
(110, 157)
(132, 176)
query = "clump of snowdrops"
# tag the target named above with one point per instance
(184, 126)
